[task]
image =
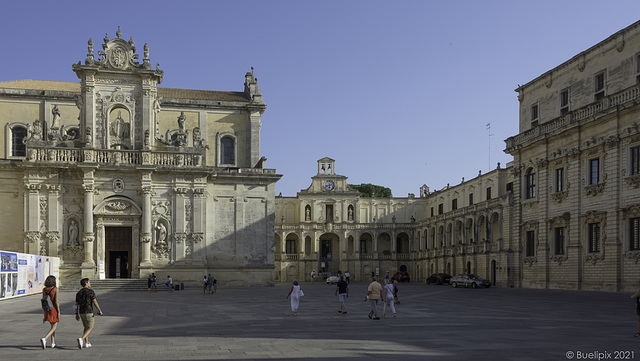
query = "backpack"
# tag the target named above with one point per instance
(47, 305)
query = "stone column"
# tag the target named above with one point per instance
(199, 224)
(180, 235)
(88, 236)
(32, 222)
(145, 238)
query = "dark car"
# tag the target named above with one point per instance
(469, 280)
(401, 277)
(439, 278)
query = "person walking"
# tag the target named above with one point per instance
(637, 297)
(210, 283)
(374, 292)
(347, 276)
(388, 299)
(85, 300)
(205, 282)
(53, 315)
(342, 291)
(395, 292)
(313, 275)
(154, 282)
(295, 292)
(170, 283)
(215, 285)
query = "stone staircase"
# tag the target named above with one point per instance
(115, 284)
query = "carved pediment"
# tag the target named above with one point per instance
(121, 206)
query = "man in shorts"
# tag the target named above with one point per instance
(342, 291)
(85, 300)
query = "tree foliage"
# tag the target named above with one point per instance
(371, 190)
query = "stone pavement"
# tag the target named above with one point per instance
(434, 322)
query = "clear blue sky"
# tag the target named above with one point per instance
(399, 93)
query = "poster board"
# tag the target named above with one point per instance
(23, 274)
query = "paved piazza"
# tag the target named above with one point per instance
(434, 322)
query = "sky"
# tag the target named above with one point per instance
(399, 93)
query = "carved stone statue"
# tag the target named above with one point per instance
(119, 128)
(198, 142)
(55, 122)
(181, 119)
(73, 233)
(36, 130)
(161, 240)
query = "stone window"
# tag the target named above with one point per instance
(530, 184)
(599, 86)
(635, 160)
(634, 234)
(594, 237)
(559, 240)
(530, 246)
(594, 171)
(470, 199)
(534, 112)
(454, 204)
(488, 193)
(564, 102)
(227, 148)
(363, 246)
(440, 208)
(291, 246)
(559, 180)
(16, 133)
(638, 68)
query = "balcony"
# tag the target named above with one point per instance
(588, 112)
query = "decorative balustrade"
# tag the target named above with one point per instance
(625, 96)
(119, 157)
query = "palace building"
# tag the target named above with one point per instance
(120, 177)
(565, 213)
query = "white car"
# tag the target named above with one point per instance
(333, 278)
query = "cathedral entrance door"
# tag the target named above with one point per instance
(118, 241)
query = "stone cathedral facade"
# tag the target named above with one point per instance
(565, 213)
(120, 177)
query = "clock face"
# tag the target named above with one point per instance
(329, 185)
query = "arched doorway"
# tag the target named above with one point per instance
(329, 255)
(117, 221)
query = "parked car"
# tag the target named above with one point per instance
(333, 278)
(439, 278)
(401, 277)
(469, 280)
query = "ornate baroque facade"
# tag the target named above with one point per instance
(116, 175)
(565, 213)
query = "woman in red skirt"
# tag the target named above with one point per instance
(53, 315)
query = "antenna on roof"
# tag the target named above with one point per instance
(490, 135)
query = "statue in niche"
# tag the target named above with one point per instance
(350, 214)
(161, 247)
(55, 122)
(307, 214)
(161, 239)
(119, 128)
(73, 233)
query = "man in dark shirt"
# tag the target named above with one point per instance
(342, 290)
(85, 299)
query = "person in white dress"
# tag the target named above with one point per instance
(295, 293)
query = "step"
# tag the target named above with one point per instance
(122, 284)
